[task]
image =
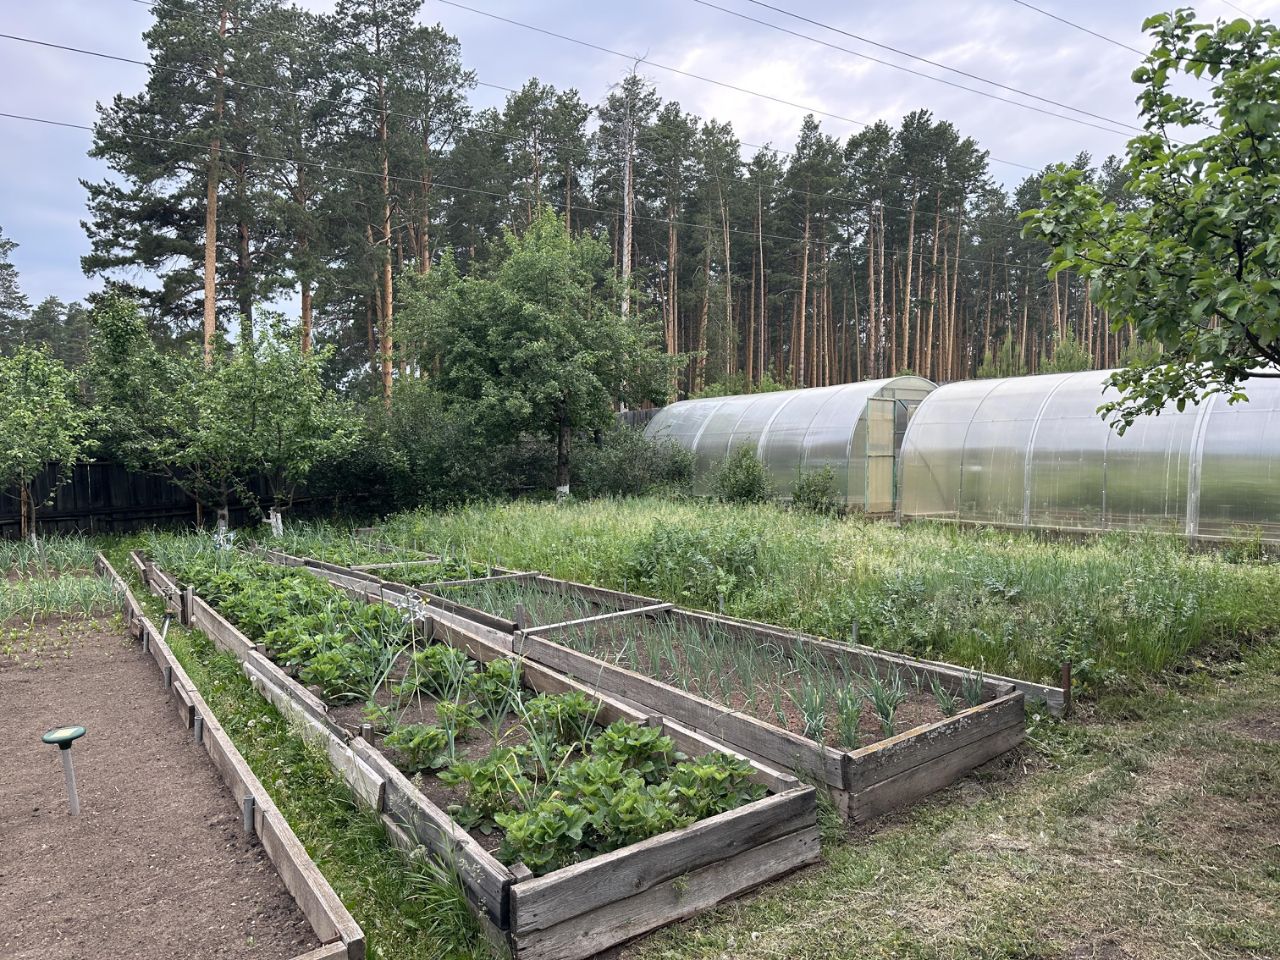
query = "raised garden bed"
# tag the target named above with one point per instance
(661, 821)
(823, 710)
(326, 921)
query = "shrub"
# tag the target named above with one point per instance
(697, 565)
(626, 463)
(741, 478)
(816, 491)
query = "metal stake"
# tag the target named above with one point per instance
(197, 729)
(70, 772)
(247, 805)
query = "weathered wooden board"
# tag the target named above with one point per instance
(675, 899)
(302, 878)
(543, 902)
(544, 629)
(219, 629)
(366, 783)
(926, 778)
(894, 755)
(485, 879)
(186, 706)
(441, 602)
(330, 951)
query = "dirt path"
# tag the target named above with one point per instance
(157, 866)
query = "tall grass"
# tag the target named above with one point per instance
(1121, 607)
(53, 554)
(33, 597)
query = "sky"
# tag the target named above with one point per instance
(41, 166)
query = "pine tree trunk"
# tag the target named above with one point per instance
(906, 287)
(306, 315)
(673, 280)
(562, 457)
(627, 216)
(926, 363)
(749, 366)
(211, 212)
(386, 327)
(804, 302)
(957, 372)
(700, 361)
(873, 324)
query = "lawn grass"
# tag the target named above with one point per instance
(1123, 608)
(407, 909)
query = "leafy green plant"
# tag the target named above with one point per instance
(741, 478)
(712, 784)
(816, 491)
(496, 690)
(644, 750)
(423, 746)
(567, 717)
(544, 838)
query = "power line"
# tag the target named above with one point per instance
(1239, 9)
(919, 73)
(1077, 26)
(352, 171)
(583, 152)
(684, 73)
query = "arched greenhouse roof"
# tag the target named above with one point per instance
(853, 428)
(1034, 452)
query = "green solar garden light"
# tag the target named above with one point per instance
(63, 737)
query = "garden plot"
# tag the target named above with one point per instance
(576, 822)
(146, 869)
(877, 729)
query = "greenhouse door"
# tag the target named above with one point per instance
(881, 455)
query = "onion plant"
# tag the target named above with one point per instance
(886, 696)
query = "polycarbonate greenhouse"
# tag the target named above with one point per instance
(1033, 452)
(856, 429)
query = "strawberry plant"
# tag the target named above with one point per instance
(423, 746)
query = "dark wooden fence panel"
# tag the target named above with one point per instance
(107, 498)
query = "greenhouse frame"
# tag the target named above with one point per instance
(856, 429)
(1034, 452)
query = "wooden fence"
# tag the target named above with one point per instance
(108, 498)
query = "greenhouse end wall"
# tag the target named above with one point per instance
(1034, 452)
(855, 429)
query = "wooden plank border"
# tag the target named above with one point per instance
(340, 936)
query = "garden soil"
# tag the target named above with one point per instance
(156, 866)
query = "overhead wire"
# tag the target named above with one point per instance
(353, 171)
(1077, 26)
(485, 131)
(637, 59)
(919, 73)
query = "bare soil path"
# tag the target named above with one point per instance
(156, 867)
